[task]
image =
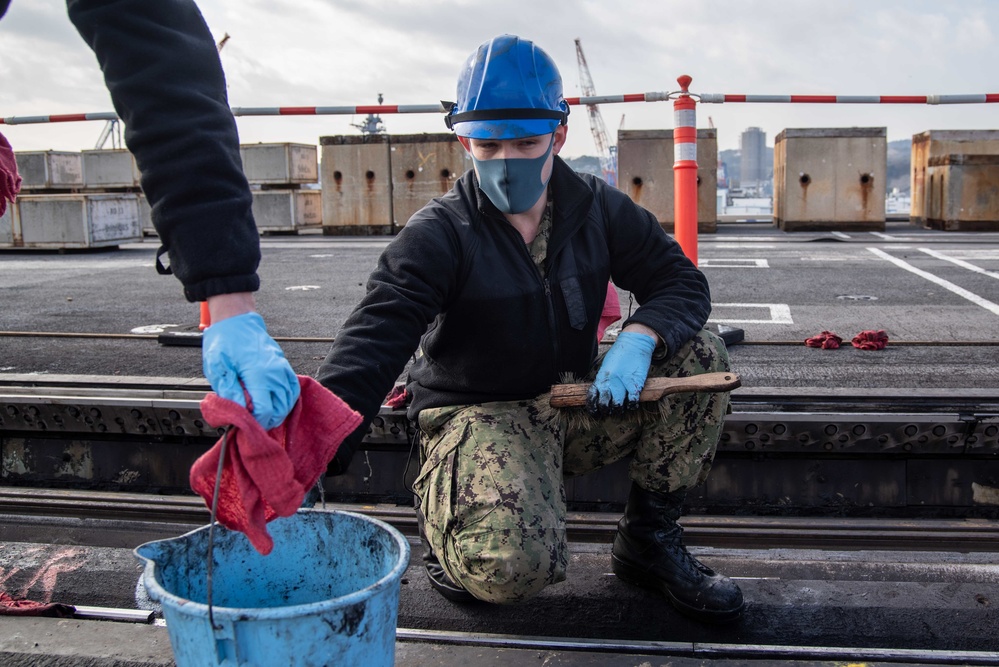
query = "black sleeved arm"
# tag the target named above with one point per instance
(674, 295)
(162, 69)
(413, 279)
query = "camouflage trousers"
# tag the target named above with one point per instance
(491, 487)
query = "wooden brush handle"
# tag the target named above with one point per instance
(574, 395)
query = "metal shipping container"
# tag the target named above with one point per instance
(939, 143)
(645, 173)
(74, 221)
(424, 166)
(7, 227)
(113, 168)
(287, 210)
(356, 179)
(146, 216)
(830, 179)
(280, 164)
(962, 193)
(49, 170)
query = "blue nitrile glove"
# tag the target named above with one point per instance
(238, 350)
(622, 374)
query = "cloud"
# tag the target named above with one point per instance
(345, 52)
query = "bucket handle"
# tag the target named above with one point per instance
(211, 526)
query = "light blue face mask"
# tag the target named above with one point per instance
(513, 185)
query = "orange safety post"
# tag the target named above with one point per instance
(685, 170)
(206, 317)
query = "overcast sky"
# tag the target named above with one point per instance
(345, 52)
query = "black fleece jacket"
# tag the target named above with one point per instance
(498, 329)
(162, 69)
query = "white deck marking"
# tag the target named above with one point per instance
(322, 245)
(947, 285)
(733, 262)
(960, 262)
(742, 246)
(81, 264)
(780, 313)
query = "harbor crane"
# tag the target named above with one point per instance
(605, 151)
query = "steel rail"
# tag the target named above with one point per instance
(144, 424)
(23, 506)
(800, 420)
(702, 650)
(716, 651)
(706, 650)
(186, 393)
(328, 340)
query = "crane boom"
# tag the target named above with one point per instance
(608, 161)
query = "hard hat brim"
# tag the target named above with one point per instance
(505, 129)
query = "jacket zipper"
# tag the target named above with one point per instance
(550, 303)
(556, 348)
(546, 284)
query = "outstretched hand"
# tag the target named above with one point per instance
(622, 375)
(238, 354)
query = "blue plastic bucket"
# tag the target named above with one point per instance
(327, 594)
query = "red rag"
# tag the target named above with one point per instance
(10, 606)
(611, 312)
(397, 398)
(826, 340)
(871, 340)
(10, 180)
(266, 474)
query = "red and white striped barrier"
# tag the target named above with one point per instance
(59, 118)
(704, 98)
(617, 99)
(709, 98)
(337, 111)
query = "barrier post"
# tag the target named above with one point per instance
(206, 316)
(685, 170)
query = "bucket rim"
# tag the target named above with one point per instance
(158, 593)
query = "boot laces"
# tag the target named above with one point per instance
(673, 539)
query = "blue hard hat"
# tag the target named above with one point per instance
(508, 89)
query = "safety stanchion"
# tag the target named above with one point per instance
(206, 316)
(685, 188)
(685, 170)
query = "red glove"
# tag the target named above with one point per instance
(871, 340)
(827, 340)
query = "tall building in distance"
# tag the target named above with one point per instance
(753, 167)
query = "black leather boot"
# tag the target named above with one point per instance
(649, 552)
(439, 579)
